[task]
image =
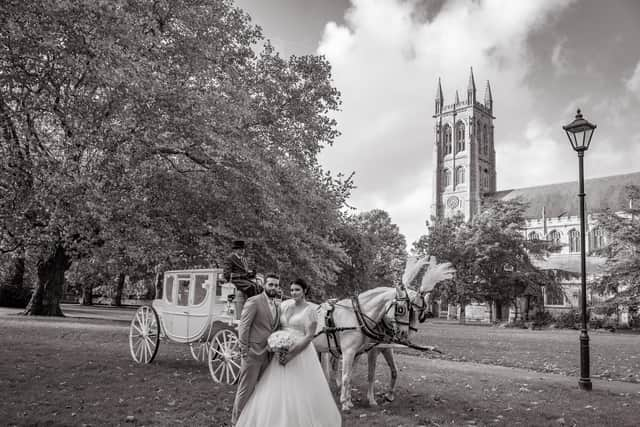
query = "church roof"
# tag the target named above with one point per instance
(562, 199)
(571, 263)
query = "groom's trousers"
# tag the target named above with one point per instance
(251, 369)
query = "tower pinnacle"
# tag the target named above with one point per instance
(471, 89)
(439, 97)
(488, 99)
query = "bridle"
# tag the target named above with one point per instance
(403, 310)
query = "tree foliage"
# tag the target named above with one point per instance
(139, 135)
(622, 270)
(490, 253)
(376, 252)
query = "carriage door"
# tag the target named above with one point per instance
(177, 315)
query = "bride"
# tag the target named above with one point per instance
(293, 390)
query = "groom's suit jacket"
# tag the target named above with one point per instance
(256, 324)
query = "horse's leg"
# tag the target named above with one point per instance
(388, 356)
(334, 365)
(347, 371)
(372, 357)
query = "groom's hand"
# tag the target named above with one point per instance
(244, 352)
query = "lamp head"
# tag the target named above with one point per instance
(579, 132)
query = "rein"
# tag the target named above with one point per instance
(380, 332)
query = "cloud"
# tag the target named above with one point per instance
(558, 58)
(386, 62)
(633, 84)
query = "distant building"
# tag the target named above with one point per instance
(464, 167)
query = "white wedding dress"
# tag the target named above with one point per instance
(296, 394)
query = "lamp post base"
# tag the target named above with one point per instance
(585, 384)
(585, 377)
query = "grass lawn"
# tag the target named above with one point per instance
(59, 372)
(614, 356)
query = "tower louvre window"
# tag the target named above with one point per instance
(459, 175)
(446, 135)
(446, 177)
(534, 236)
(485, 140)
(460, 137)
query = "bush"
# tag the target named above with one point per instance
(520, 323)
(541, 319)
(569, 319)
(12, 296)
(596, 323)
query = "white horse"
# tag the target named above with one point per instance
(354, 319)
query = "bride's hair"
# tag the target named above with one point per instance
(303, 284)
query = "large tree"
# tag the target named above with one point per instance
(490, 253)
(376, 252)
(622, 269)
(138, 134)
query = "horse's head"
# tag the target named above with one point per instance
(399, 314)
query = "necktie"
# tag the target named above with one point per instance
(272, 307)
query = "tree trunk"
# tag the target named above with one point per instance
(15, 277)
(87, 295)
(158, 286)
(46, 298)
(117, 298)
(462, 317)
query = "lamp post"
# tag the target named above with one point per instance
(580, 132)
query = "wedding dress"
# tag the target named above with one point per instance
(296, 394)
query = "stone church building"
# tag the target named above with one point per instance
(464, 167)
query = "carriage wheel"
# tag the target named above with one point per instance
(144, 335)
(200, 351)
(224, 356)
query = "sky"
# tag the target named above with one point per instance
(544, 59)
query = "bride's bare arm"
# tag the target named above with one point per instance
(310, 330)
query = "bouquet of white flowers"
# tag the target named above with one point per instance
(280, 342)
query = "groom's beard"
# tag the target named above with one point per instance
(271, 293)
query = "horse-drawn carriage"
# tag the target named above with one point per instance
(195, 307)
(198, 307)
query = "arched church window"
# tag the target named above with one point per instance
(446, 177)
(574, 241)
(459, 175)
(554, 239)
(459, 137)
(485, 140)
(534, 235)
(446, 136)
(484, 180)
(597, 238)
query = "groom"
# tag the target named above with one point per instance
(259, 318)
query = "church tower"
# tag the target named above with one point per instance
(464, 156)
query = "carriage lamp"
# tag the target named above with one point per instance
(579, 132)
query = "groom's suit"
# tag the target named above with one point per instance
(257, 321)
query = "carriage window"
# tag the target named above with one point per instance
(168, 288)
(199, 292)
(219, 282)
(183, 291)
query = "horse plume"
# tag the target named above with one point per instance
(436, 273)
(413, 267)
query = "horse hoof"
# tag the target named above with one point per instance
(373, 403)
(389, 397)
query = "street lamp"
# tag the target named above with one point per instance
(580, 132)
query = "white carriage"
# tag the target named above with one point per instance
(195, 307)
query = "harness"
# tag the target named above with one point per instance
(379, 332)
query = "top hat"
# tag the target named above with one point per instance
(238, 244)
